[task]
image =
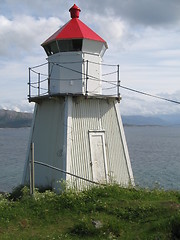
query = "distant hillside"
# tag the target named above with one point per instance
(13, 119)
(160, 120)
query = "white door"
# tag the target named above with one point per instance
(98, 156)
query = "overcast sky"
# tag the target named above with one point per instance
(143, 38)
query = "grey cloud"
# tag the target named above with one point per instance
(154, 12)
(24, 34)
(38, 8)
(143, 105)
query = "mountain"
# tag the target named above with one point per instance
(160, 120)
(173, 119)
(13, 119)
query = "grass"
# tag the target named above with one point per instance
(109, 212)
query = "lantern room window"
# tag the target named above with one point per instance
(70, 45)
(51, 48)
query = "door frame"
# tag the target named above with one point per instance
(102, 134)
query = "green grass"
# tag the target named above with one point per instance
(109, 212)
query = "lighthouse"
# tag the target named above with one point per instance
(77, 132)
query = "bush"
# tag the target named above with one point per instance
(175, 227)
(17, 193)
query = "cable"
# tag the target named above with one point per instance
(150, 95)
(130, 89)
(104, 64)
(68, 173)
(66, 79)
(66, 62)
(86, 75)
(39, 65)
(42, 95)
(108, 88)
(39, 73)
(43, 89)
(106, 74)
(35, 83)
(92, 78)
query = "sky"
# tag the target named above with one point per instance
(143, 38)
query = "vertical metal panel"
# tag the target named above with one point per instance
(47, 136)
(26, 176)
(94, 84)
(123, 138)
(67, 133)
(115, 151)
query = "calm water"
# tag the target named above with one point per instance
(154, 153)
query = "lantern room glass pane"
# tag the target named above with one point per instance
(70, 45)
(51, 48)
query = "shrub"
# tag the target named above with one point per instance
(175, 227)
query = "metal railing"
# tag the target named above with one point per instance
(41, 75)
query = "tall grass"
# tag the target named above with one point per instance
(108, 212)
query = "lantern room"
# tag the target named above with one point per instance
(75, 54)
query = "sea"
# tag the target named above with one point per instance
(154, 152)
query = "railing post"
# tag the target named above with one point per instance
(118, 84)
(39, 77)
(32, 170)
(29, 83)
(87, 65)
(49, 78)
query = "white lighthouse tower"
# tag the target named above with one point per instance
(77, 131)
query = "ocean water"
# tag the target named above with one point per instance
(154, 153)
(13, 147)
(155, 156)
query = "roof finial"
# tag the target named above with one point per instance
(74, 10)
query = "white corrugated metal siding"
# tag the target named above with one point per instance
(116, 159)
(61, 138)
(48, 138)
(96, 114)
(85, 117)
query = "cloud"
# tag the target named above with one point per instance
(144, 12)
(18, 106)
(23, 34)
(112, 29)
(143, 37)
(38, 8)
(136, 104)
(155, 39)
(170, 63)
(168, 53)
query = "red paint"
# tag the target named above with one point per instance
(75, 10)
(74, 29)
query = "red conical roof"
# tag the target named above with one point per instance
(74, 29)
